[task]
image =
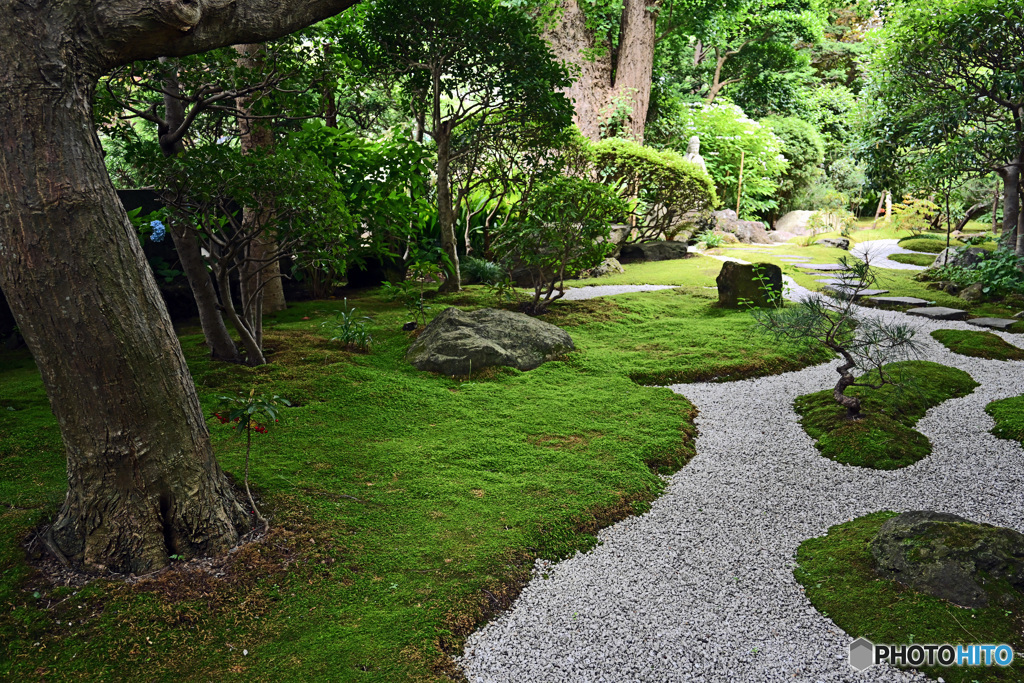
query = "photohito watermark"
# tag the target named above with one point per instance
(864, 654)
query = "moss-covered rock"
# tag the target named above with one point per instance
(948, 556)
(760, 284)
(458, 342)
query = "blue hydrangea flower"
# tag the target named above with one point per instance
(159, 230)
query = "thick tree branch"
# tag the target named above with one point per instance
(133, 30)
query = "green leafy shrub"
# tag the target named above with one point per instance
(557, 232)
(803, 148)
(999, 272)
(710, 239)
(665, 185)
(480, 270)
(914, 214)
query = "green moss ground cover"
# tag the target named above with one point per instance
(885, 439)
(1009, 416)
(927, 243)
(978, 344)
(914, 259)
(837, 572)
(407, 507)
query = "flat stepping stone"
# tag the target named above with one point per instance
(851, 290)
(842, 282)
(939, 313)
(900, 301)
(824, 267)
(993, 323)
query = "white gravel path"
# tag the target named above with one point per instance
(701, 587)
(879, 252)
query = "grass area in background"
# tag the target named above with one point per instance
(885, 438)
(407, 507)
(978, 344)
(929, 244)
(1009, 416)
(695, 271)
(837, 572)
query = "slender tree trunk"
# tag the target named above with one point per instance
(1011, 205)
(263, 272)
(445, 210)
(601, 81)
(142, 480)
(222, 347)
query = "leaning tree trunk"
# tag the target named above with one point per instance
(1011, 204)
(445, 209)
(186, 244)
(602, 84)
(142, 480)
(846, 380)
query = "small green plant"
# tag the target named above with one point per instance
(710, 239)
(244, 412)
(349, 329)
(999, 272)
(504, 291)
(410, 292)
(480, 270)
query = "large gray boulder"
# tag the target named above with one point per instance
(458, 342)
(652, 251)
(794, 222)
(948, 556)
(748, 232)
(737, 282)
(950, 257)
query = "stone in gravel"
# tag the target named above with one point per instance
(993, 323)
(835, 242)
(948, 556)
(898, 301)
(822, 266)
(652, 251)
(736, 281)
(939, 313)
(458, 342)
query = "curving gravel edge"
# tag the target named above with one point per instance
(701, 588)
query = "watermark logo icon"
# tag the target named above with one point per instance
(862, 654)
(865, 654)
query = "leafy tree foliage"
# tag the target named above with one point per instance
(665, 185)
(945, 80)
(463, 61)
(803, 148)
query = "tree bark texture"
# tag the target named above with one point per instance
(445, 210)
(603, 83)
(142, 480)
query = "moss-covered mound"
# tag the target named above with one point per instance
(885, 438)
(932, 245)
(913, 259)
(978, 344)
(839, 577)
(1009, 416)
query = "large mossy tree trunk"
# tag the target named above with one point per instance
(608, 81)
(142, 480)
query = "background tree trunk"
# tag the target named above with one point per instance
(263, 269)
(142, 480)
(601, 82)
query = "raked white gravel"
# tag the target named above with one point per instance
(701, 588)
